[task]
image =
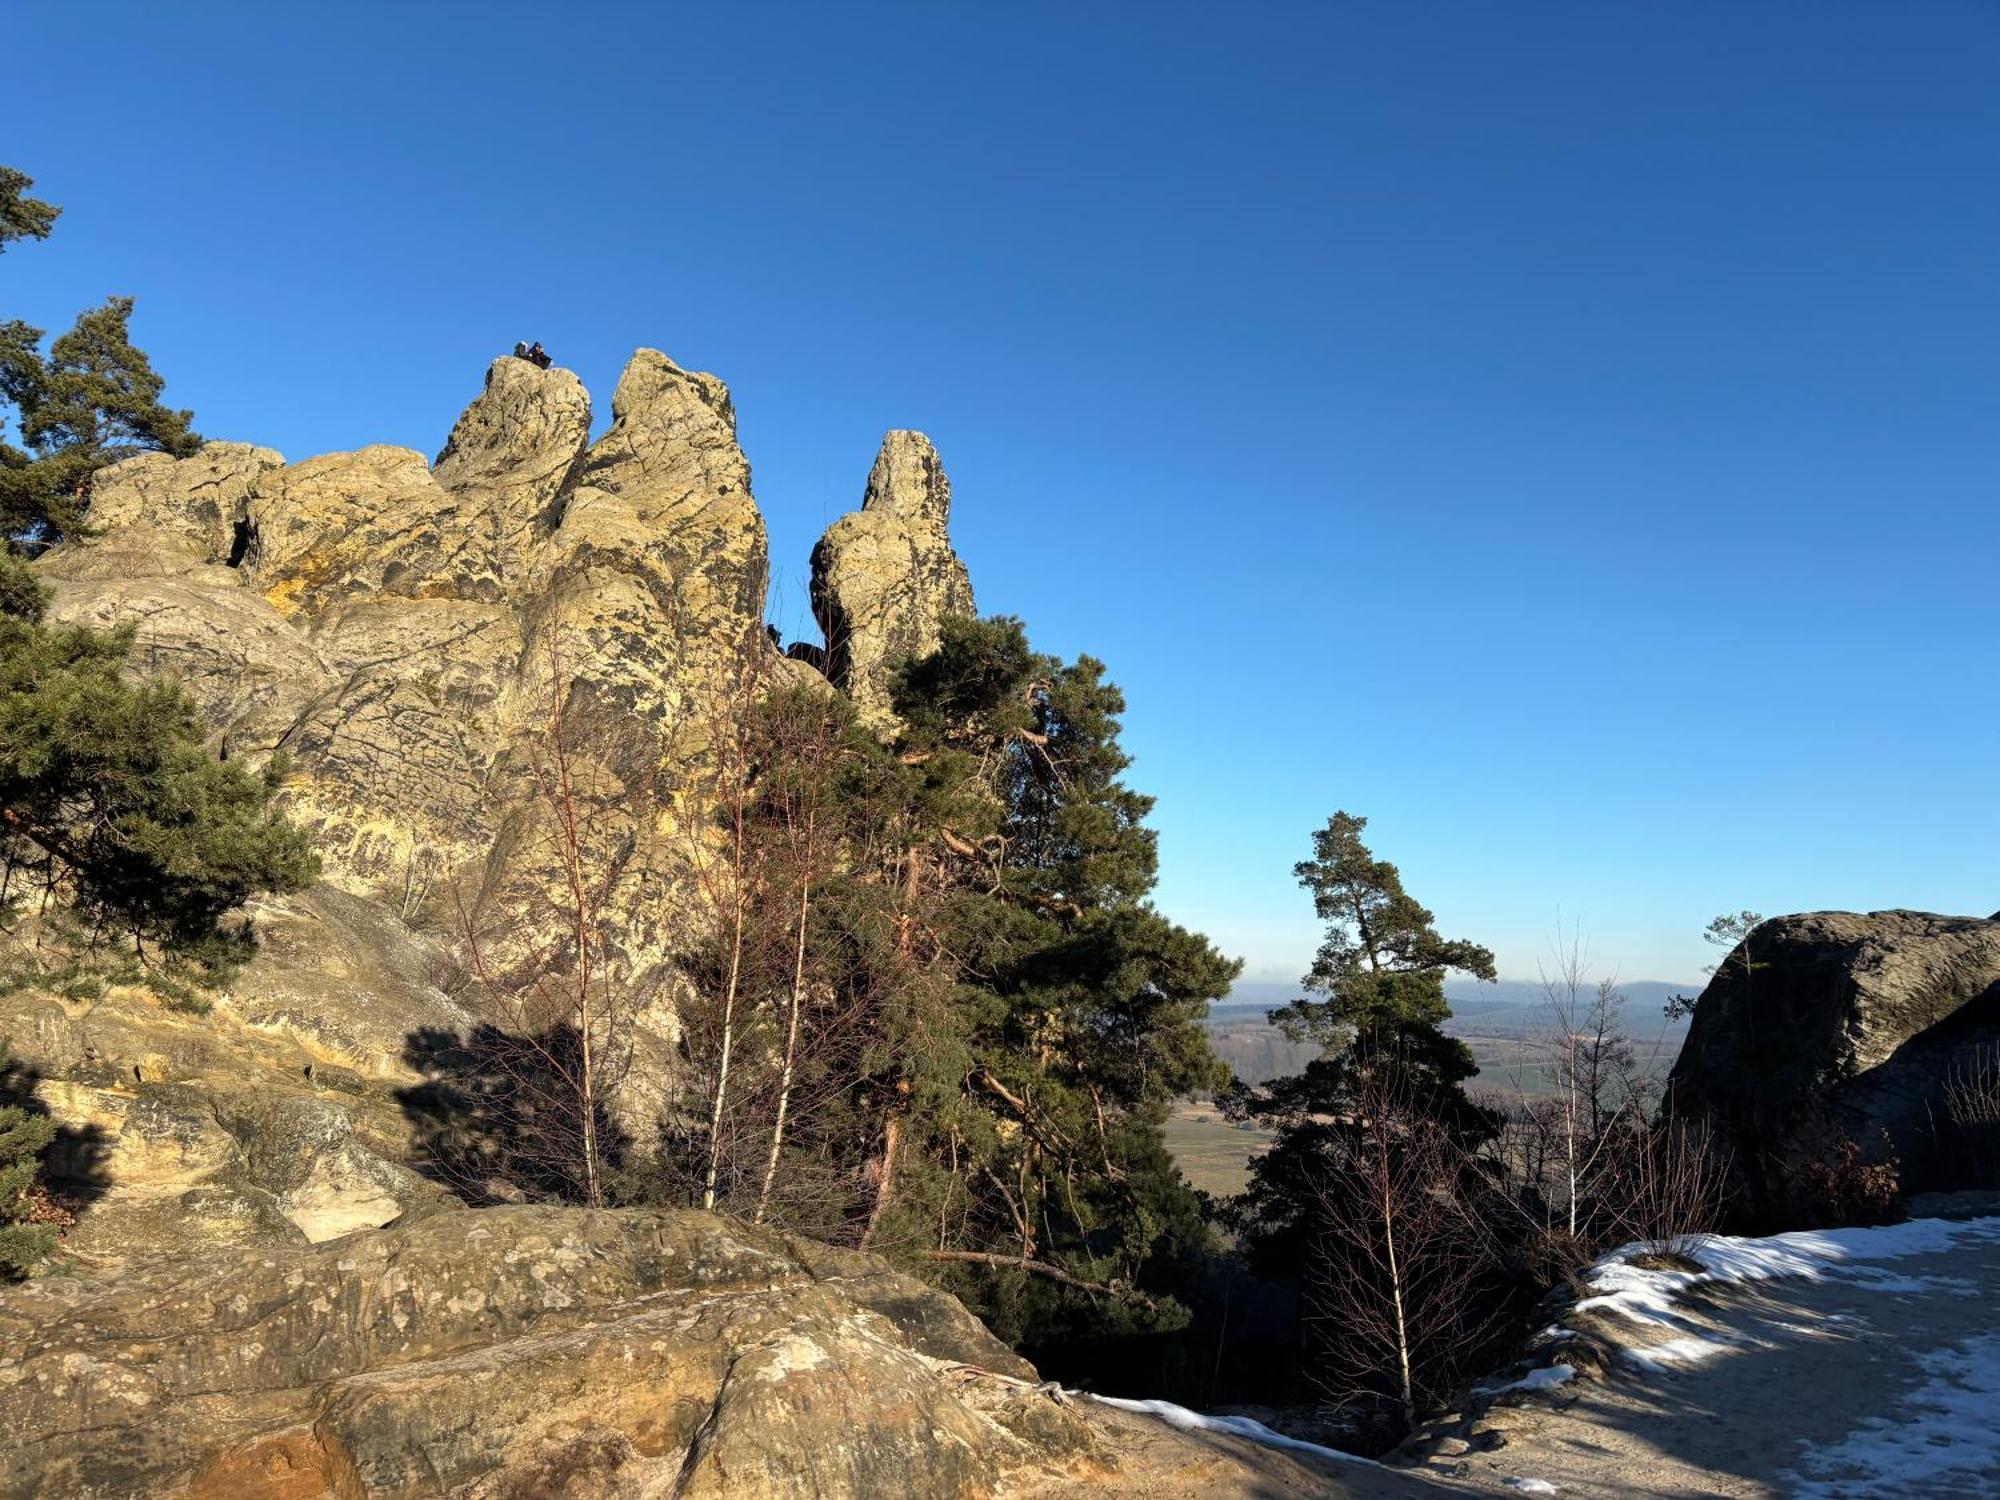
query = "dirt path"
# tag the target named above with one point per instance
(1876, 1373)
(1881, 1379)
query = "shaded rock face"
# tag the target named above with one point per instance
(885, 577)
(516, 1352)
(1841, 1026)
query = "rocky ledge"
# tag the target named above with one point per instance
(516, 1351)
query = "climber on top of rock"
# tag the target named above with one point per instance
(533, 353)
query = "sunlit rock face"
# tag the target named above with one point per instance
(885, 577)
(409, 635)
(518, 1352)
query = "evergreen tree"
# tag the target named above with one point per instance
(91, 400)
(1078, 1006)
(1375, 1005)
(22, 217)
(110, 803)
(24, 1135)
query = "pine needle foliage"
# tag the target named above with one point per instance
(91, 399)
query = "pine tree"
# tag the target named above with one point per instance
(91, 400)
(114, 819)
(22, 217)
(1375, 1005)
(24, 1135)
(1078, 1005)
(109, 801)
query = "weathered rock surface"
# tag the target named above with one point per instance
(885, 577)
(515, 1352)
(407, 634)
(262, 1295)
(1841, 1026)
(274, 1118)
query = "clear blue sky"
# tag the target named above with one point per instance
(1566, 434)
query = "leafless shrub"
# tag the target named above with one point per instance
(1972, 1117)
(1665, 1187)
(548, 963)
(1842, 1187)
(1394, 1295)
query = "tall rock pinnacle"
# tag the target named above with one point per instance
(884, 578)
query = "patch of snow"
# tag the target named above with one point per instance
(1681, 1351)
(1648, 1296)
(1243, 1427)
(1529, 1486)
(1945, 1435)
(1535, 1380)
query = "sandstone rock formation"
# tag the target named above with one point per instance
(406, 633)
(884, 577)
(263, 1294)
(1839, 1026)
(273, 1119)
(517, 1352)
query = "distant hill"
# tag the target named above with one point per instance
(1494, 1018)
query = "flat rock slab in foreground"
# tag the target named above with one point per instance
(513, 1352)
(522, 1353)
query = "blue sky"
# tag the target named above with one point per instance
(1565, 434)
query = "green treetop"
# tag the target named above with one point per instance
(22, 217)
(1080, 1005)
(1375, 1005)
(90, 400)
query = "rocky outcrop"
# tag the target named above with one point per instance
(1838, 1026)
(407, 634)
(885, 577)
(272, 1119)
(262, 1294)
(516, 1352)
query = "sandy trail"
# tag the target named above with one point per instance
(1877, 1376)
(1881, 1379)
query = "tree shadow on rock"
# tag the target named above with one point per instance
(74, 1170)
(499, 1116)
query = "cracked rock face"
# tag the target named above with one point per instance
(515, 1352)
(404, 633)
(885, 577)
(1840, 1026)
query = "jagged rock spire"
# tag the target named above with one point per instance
(885, 577)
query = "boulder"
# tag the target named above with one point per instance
(885, 577)
(1835, 1027)
(517, 1352)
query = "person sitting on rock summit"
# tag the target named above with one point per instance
(538, 356)
(520, 349)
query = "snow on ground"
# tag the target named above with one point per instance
(1243, 1427)
(1647, 1295)
(1545, 1379)
(1942, 1433)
